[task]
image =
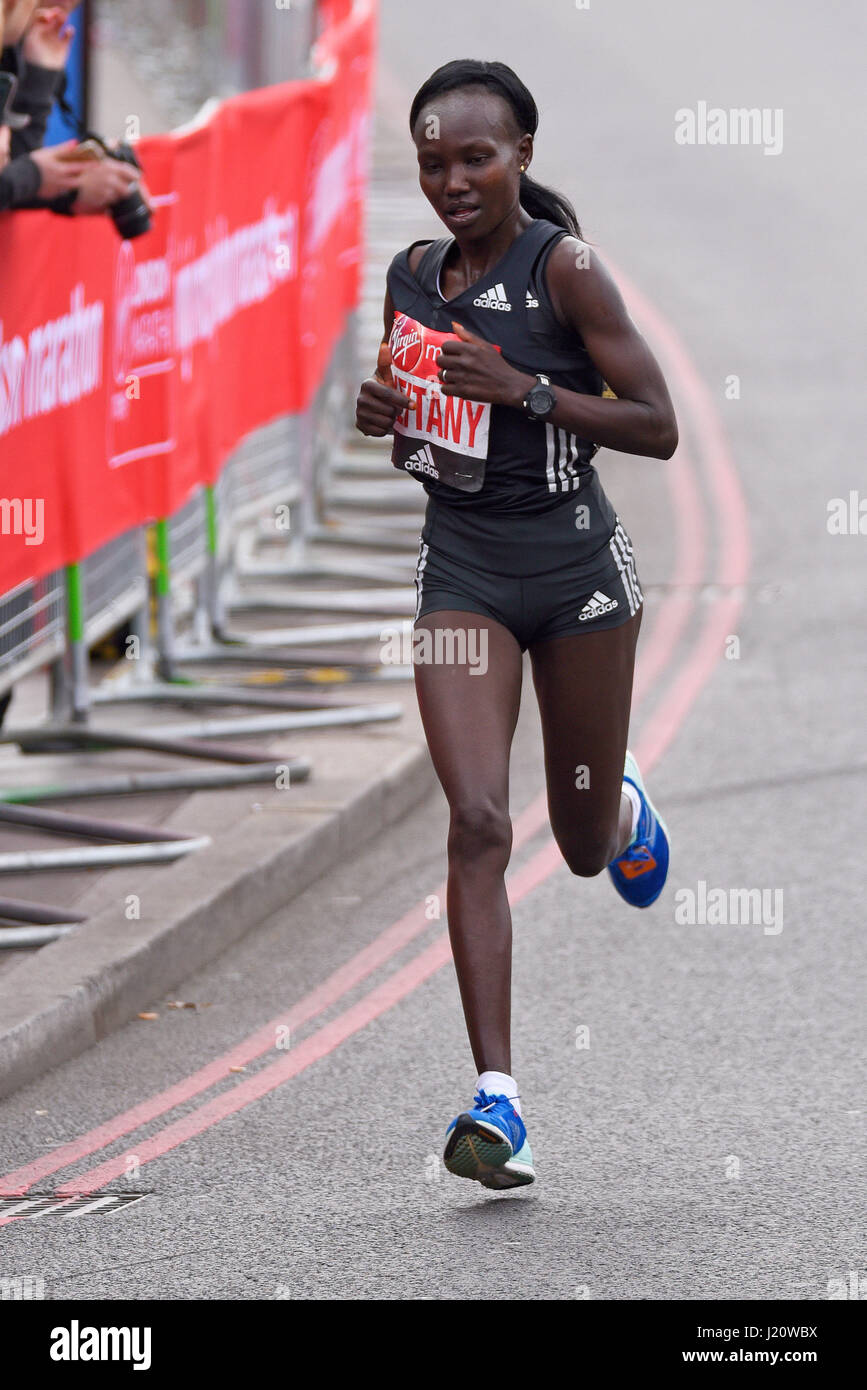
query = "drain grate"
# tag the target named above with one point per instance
(37, 1204)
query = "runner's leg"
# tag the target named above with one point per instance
(469, 721)
(583, 684)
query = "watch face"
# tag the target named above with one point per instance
(541, 400)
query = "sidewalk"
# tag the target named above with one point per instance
(267, 843)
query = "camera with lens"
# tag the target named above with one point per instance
(130, 214)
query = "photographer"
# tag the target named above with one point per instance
(38, 62)
(36, 48)
(29, 175)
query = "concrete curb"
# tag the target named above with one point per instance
(75, 991)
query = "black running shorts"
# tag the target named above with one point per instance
(530, 573)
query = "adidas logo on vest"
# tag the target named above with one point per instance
(531, 303)
(495, 298)
(596, 605)
(423, 462)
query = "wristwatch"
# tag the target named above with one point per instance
(540, 399)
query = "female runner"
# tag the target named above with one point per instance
(500, 341)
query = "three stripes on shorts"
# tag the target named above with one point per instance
(621, 551)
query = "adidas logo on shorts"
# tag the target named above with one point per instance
(596, 605)
(423, 462)
(493, 299)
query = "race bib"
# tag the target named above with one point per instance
(440, 437)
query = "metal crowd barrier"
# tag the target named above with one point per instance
(199, 570)
(32, 629)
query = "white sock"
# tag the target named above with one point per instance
(497, 1083)
(632, 793)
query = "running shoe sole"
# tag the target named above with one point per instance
(481, 1152)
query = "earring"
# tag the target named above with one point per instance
(522, 168)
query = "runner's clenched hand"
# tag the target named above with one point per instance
(379, 403)
(475, 369)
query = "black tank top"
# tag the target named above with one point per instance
(473, 455)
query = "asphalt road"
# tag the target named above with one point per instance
(708, 1143)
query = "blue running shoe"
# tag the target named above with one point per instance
(489, 1144)
(640, 872)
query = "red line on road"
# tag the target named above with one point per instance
(671, 620)
(733, 553)
(690, 549)
(318, 1045)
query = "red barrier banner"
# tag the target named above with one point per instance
(129, 370)
(335, 192)
(331, 12)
